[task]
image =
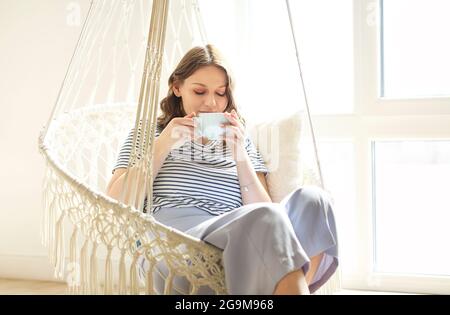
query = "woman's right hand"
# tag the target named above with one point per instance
(178, 131)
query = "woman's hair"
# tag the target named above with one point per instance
(197, 57)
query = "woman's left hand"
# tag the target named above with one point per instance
(235, 136)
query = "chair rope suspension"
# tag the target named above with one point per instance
(294, 40)
(334, 283)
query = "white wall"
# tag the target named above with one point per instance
(37, 39)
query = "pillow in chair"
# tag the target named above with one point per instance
(278, 141)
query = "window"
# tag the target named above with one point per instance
(414, 52)
(412, 210)
(402, 134)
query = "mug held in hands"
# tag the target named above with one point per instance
(208, 125)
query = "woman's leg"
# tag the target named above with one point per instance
(310, 211)
(314, 266)
(259, 249)
(294, 283)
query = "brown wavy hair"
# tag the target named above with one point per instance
(197, 57)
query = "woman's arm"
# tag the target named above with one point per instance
(262, 179)
(117, 181)
(253, 185)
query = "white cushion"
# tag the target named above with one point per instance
(278, 141)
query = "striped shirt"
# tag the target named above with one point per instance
(203, 176)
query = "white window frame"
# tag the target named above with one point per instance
(380, 118)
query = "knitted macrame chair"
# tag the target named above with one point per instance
(124, 50)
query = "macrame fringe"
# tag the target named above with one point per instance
(134, 281)
(74, 283)
(93, 281)
(168, 283)
(45, 224)
(194, 288)
(51, 225)
(149, 280)
(59, 248)
(84, 271)
(122, 274)
(108, 286)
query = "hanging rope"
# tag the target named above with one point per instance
(334, 283)
(304, 95)
(76, 50)
(142, 184)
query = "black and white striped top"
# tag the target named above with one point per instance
(203, 176)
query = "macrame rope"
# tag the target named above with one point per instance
(84, 268)
(108, 287)
(59, 247)
(334, 283)
(304, 94)
(93, 280)
(122, 274)
(66, 75)
(75, 277)
(148, 98)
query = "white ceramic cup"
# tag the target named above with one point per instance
(208, 125)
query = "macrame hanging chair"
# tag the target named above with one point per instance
(124, 50)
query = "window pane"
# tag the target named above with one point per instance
(415, 48)
(412, 210)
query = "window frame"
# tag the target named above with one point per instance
(368, 49)
(381, 118)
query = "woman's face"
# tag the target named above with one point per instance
(203, 91)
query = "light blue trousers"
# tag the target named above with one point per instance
(262, 242)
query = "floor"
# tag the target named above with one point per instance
(27, 287)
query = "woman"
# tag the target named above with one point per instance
(217, 191)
